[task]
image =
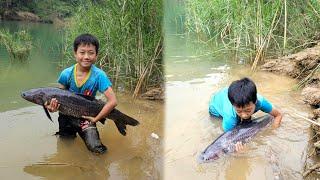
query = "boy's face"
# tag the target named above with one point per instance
(86, 55)
(245, 112)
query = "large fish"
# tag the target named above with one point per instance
(225, 143)
(77, 105)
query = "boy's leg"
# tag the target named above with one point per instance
(90, 135)
(66, 129)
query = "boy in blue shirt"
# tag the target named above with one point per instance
(84, 78)
(238, 102)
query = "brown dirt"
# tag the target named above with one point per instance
(298, 65)
(154, 94)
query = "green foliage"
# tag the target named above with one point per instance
(130, 39)
(18, 44)
(254, 28)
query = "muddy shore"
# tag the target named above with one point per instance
(304, 66)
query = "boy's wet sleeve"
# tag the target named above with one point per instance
(104, 83)
(228, 123)
(266, 106)
(212, 110)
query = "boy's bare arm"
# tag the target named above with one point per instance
(277, 117)
(107, 108)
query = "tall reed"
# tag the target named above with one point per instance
(130, 36)
(256, 28)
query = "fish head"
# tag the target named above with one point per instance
(203, 158)
(212, 153)
(37, 96)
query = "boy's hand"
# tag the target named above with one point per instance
(90, 118)
(53, 106)
(239, 147)
(277, 118)
(275, 124)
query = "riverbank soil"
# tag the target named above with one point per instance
(304, 66)
(155, 93)
(30, 17)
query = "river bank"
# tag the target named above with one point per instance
(11, 15)
(304, 66)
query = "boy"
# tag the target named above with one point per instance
(238, 102)
(84, 78)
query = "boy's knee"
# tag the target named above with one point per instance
(90, 136)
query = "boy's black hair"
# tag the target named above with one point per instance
(242, 92)
(86, 39)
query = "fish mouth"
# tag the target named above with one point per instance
(203, 159)
(26, 96)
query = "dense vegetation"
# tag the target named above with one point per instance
(18, 44)
(131, 40)
(254, 29)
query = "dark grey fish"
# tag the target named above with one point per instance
(225, 143)
(77, 105)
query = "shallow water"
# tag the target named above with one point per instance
(31, 149)
(272, 154)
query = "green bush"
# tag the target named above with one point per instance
(18, 44)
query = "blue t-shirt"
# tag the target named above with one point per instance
(220, 106)
(96, 80)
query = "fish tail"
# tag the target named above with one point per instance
(121, 127)
(121, 120)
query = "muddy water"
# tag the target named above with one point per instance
(273, 154)
(29, 150)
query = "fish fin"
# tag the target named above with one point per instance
(47, 113)
(121, 127)
(125, 119)
(90, 98)
(121, 120)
